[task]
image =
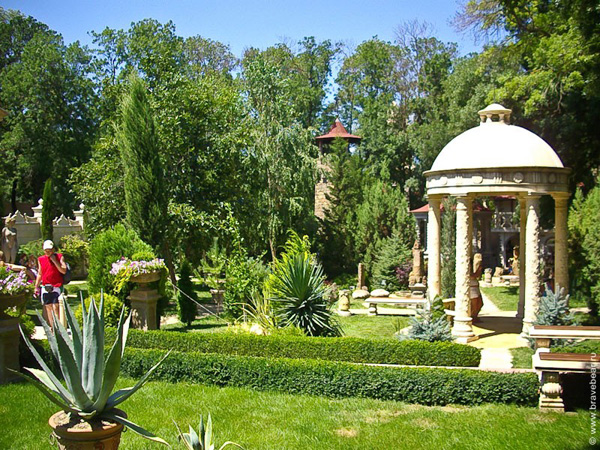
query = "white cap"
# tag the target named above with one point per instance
(48, 245)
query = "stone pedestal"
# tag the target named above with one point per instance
(218, 296)
(362, 276)
(550, 392)
(9, 349)
(143, 308)
(344, 303)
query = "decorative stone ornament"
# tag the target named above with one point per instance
(380, 293)
(344, 303)
(360, 294)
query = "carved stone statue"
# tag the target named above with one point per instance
(515, 262)
(9, 241)
(416, 275)
(476, 300)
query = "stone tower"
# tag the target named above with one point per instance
(322, 188)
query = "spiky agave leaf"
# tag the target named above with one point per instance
(89, 378)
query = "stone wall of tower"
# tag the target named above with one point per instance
(322, 188)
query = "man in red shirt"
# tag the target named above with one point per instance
(51, 268)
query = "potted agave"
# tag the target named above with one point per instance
(88, 418)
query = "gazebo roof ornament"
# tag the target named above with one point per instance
(495, 110)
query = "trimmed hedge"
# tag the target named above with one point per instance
(413, 353)
(587, 346)
(428, 386)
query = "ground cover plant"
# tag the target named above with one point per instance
(275, 421)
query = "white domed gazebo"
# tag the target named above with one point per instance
(496, 158)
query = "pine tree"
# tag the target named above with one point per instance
(448, 248)
(47, 210)
(392, 253)
(187, 307)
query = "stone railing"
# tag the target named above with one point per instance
(29, 227)
(504, 221)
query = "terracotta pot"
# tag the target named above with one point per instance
(77, 434)
(9, 301)
(146, 278)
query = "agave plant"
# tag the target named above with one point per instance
(89, 378)
(299, 297)
(203, 439)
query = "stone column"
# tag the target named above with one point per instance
(434, 223)
(462, 329)
(561, 261)
(532, 261)
(522, 263)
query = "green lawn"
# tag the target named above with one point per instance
(522, 357)
(264, 421)
(372, 327)
(506, 298)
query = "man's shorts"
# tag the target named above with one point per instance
(50, 298)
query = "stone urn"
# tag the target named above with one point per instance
(9, 334)
(344, 303)
(77, 434)
(143, 301)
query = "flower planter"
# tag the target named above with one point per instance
(16, 301)
(77, 434)
(145, 278)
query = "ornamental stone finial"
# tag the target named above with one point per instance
(495, 111)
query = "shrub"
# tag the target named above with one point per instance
(34, 248)
(112, 309)
(333, 349)
(245, 276)
(429, 386)
(106, 248)
(187, 307)
(554, 309)
(427, 328)
(76, 252)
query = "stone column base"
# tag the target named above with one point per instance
(462, 331)
(526, 328)
(9, 350)
(344, 313)
(143, 308)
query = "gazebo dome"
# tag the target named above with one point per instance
(494, 144)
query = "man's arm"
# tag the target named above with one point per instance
(60, 263)
(38, 279)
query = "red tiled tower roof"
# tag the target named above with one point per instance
(337, 130)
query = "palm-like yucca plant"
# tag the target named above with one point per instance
(300, 296)
(89, 378)
(203, 439)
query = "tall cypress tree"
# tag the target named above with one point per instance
(47, 210)
(145, 198)
(187, 307)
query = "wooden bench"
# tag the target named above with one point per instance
(374, 301)
(549, 365)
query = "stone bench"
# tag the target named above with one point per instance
(374, 301)
(550, 365)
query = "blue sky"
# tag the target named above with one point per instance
(255, 23)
